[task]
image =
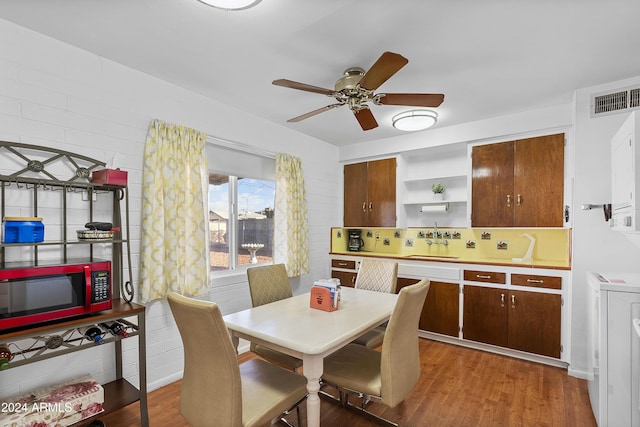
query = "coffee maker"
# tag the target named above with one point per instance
(355, 240)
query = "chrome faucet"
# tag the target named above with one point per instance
(435, 235)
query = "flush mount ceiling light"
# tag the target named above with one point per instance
(231, 4)
(413, 120)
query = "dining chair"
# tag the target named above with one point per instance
(388, 375)
(381, 276)
(216, 390)
(267, 284)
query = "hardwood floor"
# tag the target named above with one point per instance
(458, 387)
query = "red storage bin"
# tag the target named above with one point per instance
(109, 177)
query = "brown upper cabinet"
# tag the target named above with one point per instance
(370, 194)
(518, 183)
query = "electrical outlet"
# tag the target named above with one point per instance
(377, 236)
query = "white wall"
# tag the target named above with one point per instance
(55, 95)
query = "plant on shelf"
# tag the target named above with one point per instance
(438, 190)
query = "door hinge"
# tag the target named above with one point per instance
(561, 302)
(561, 348)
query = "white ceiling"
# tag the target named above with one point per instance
(489, 58)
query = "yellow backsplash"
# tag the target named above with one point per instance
(552, 244)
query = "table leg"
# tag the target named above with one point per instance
(234, 340)
(312, 366)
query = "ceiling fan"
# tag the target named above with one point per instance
(356, 88)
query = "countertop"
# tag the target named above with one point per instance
(542, 264)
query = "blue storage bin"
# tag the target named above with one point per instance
(22, 230)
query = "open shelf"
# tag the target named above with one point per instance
(65, 242)
(117, 395)
(433, 202)
(460, 176)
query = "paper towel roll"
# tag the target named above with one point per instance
(440, 208)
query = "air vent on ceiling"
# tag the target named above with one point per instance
(615, 102)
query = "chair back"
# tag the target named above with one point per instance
(400, 360)
(376, 275)
(211, 386)
(268, 283)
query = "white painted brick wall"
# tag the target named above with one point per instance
(55, 95)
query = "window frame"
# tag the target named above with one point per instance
(233, 226)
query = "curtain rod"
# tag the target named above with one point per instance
(239, 146)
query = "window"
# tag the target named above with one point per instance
(241, 208)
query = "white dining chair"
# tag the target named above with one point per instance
(388, 375)
(267, 284)
(216, 391)
(380, 276)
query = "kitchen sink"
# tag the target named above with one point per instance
(433, 256)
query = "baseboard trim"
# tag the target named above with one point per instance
(578, 373)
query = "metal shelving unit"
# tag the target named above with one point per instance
(37, 169)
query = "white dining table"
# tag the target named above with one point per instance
(293, 327)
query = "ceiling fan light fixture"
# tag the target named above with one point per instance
(231, 4)
(414, 120)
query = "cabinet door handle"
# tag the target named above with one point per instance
(370, 206)
(353, 280)
(535, 281)
(508, 200)
(519, 200)
(480, 276)
(364, 206)
(342, 264)
(501, 300)
(513, 301)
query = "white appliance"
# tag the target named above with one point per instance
(625, 175)
(615, 347)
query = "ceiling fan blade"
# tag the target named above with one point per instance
(302, 86)
(366, 119)
(412, 99)
(315, 112)
(386, 66)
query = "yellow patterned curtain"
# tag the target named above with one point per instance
(174, 248)
(291, 240)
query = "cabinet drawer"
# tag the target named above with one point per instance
(550, 282)
(341, 263)
(485, 276)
